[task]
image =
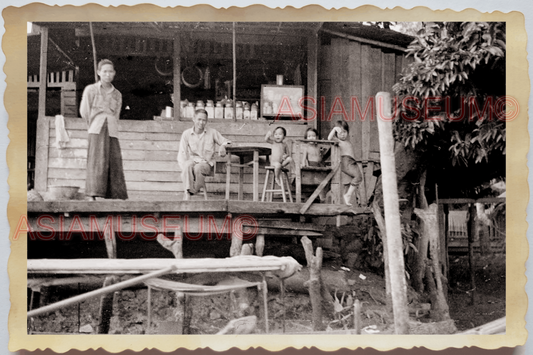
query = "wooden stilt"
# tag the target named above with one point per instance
(471, 234)
(381, 225)
(265, 302)
(106, 302)
(259, 245)
(314, 263)
(236, 244)
(357, 316)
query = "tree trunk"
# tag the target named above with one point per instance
(434, 279)
(423, 242)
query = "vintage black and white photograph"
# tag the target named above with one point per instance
(303, 178)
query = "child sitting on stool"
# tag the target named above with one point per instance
(281, 155)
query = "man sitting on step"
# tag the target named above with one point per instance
(195, 156)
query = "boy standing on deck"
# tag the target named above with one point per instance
(100, 107)
(195, 156)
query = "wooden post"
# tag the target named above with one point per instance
(471, 234)
(41, 151)
(381, 225)
(298, 171)
(236, 243)
(106, 302)
(95, 63)
(392, 215)
(259, 245)
(177, 76)
(336, 157)
(228, 175)
(446, 211)
(256, 176)
(240, 193)
(312, 73)
(357, 316)
(234, 51)
(314, 263)
(43, 73)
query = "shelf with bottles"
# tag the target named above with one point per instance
(223, 109)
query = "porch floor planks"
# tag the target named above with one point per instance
(199, 206)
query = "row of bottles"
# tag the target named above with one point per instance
(222, 110)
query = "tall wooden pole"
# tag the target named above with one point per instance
(177, 76)
(234, 74)
(392, 214)
(471, 233)
(43, 72)
(95, 64)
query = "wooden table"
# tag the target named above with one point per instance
(333, 172)
(243, 151)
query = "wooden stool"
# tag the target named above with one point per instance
(284, 189)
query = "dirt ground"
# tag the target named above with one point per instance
(210, 314)
(489, 296)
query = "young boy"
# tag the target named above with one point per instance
(281, 156)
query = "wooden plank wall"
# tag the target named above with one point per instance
(149, 151)
(350, 69)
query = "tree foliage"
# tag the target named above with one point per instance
(457, 70)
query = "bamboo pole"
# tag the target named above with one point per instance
(99, 292)
(392, 215)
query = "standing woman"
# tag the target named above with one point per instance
(100, 107)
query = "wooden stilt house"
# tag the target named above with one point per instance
(341, 66)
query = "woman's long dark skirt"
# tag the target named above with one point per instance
(105, 175)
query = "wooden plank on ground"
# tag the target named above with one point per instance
(247, 263)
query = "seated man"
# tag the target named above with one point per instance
(195, 156)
